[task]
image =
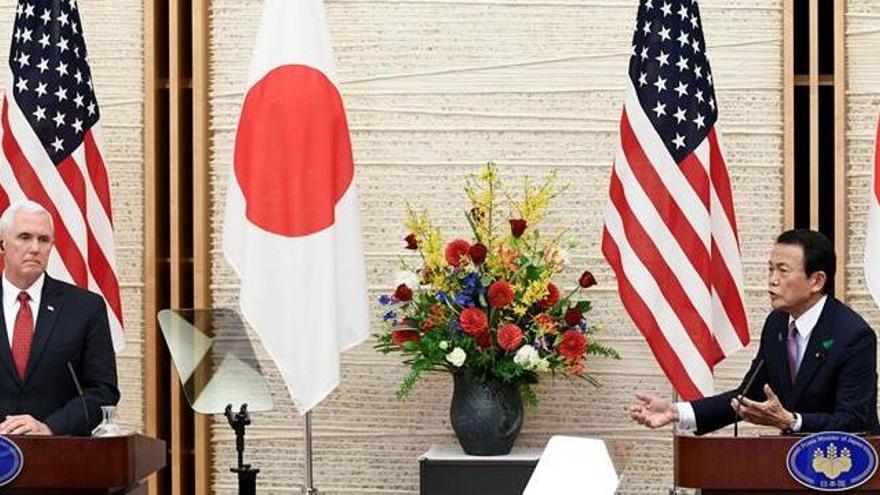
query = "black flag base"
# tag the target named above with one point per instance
(247, 476)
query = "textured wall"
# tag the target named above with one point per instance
(435, 88)
(863, 105)
(114, 33)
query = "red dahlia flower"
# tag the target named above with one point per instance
(500, 294)
(510, 337)
(456, 250)
(473, 321)
(573, 345)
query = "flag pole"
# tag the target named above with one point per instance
(309, 488)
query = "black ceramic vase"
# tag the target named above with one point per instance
(486, 417)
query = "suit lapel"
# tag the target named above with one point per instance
(5, 350)
(50, 306)
(815, 354)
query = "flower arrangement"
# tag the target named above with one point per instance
(489, 306)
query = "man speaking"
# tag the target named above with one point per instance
(49, 326)
(816, 365)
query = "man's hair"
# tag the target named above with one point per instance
(818, 253)
(26, 206)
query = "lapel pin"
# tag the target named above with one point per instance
(50, 307)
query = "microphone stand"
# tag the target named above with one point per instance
(309, 488)
(675, 490)
(247, 476)
(742, 392)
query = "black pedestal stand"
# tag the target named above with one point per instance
(247, 476)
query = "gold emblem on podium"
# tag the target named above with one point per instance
(832, 463)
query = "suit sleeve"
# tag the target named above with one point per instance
(715, 412)
(855, 389)
(97, 375)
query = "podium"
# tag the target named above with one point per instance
(85, 466)
(727, 465)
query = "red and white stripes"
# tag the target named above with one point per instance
(670, 236)
(76, 192)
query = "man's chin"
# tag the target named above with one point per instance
(32, 270)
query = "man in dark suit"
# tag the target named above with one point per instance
(816, 365)
(46, 325)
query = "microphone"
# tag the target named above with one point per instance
(745, 388)
(79, 391)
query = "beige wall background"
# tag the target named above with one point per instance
(114, 32)
(863, 107)
(434, 89)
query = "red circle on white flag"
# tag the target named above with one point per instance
(293, 157)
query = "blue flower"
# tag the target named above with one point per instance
(384, 300)
(389, 315)
(464, 300)
(442, 297)
(455, 328)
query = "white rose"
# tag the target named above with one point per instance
(407, 278)
(526, 356)
(456, 357)
(543, 365)
(443, 345)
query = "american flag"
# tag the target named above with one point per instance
(670, 230)
(51, 138)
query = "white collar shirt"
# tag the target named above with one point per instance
(11, 303)
(805, 325)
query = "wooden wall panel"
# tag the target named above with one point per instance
(177, 265)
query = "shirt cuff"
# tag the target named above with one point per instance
(798, 420)
(687, 420)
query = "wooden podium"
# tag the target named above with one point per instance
(80, 466)
(727, 465)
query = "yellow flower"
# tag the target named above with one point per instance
(533, 206)
(429, 238)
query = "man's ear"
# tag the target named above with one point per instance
(818, 280)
